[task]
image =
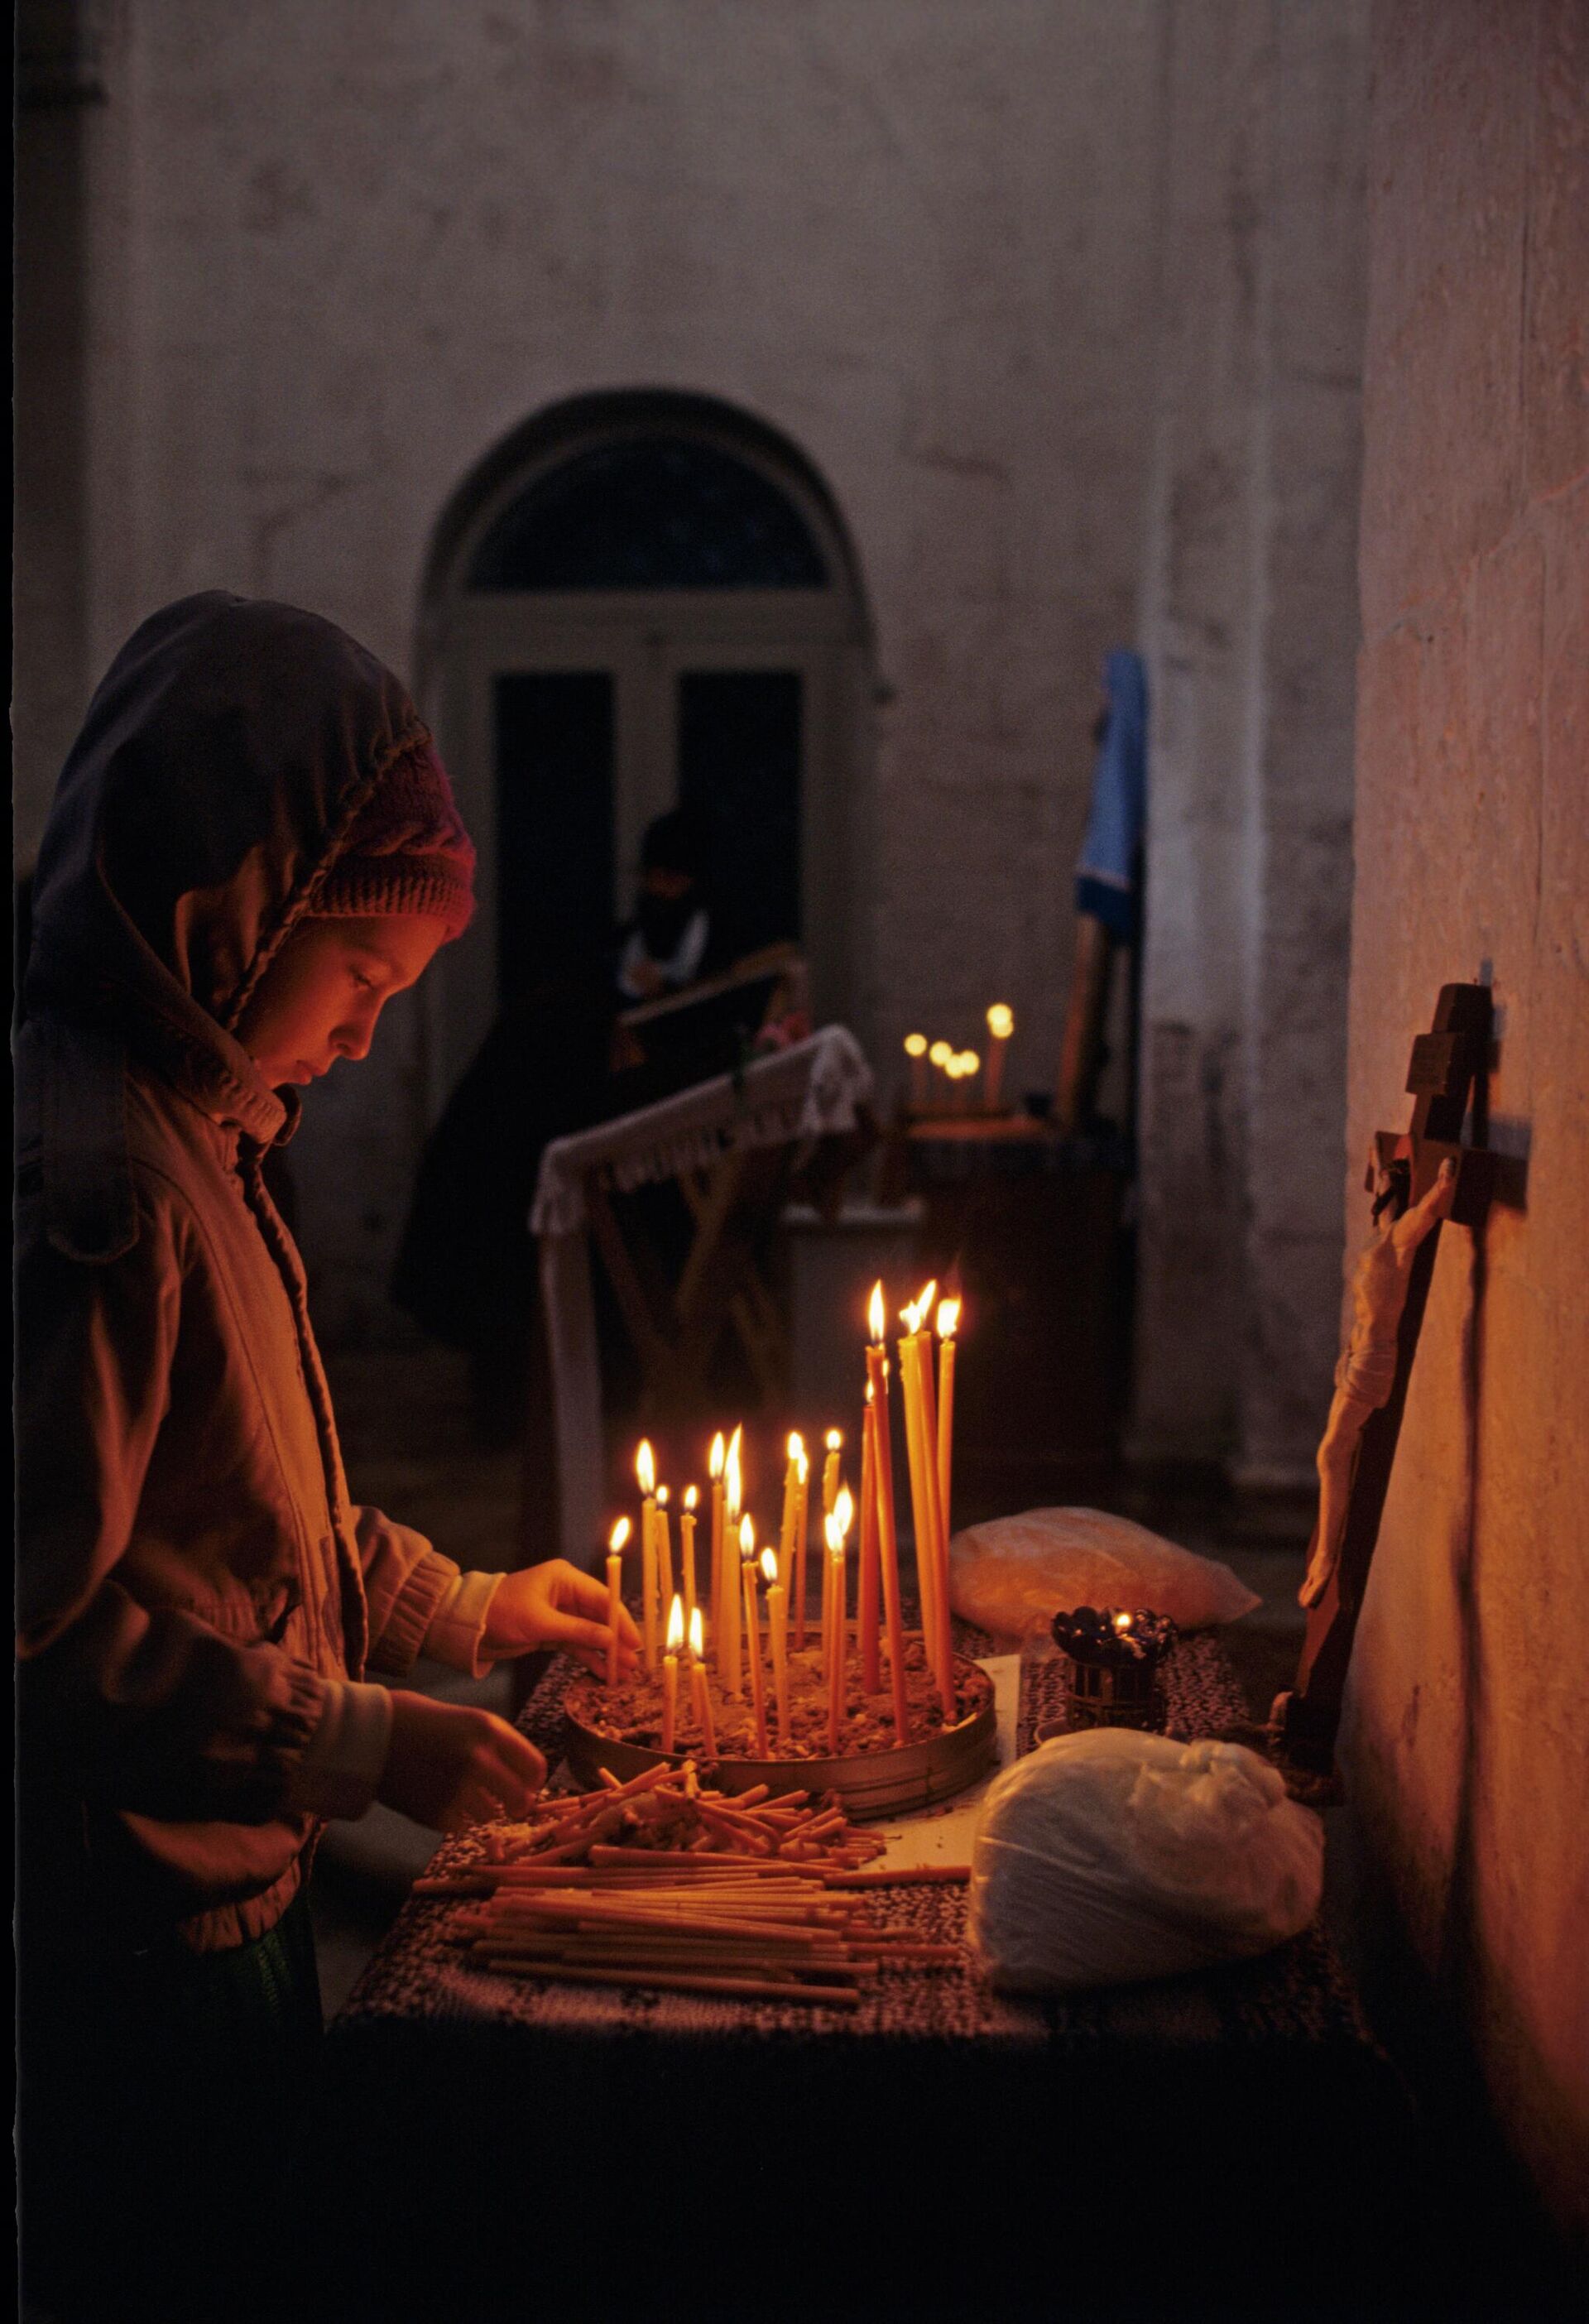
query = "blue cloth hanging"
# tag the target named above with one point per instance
(1108, 882)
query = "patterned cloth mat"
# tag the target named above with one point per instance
(1297, 1993)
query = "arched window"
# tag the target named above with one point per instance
(640, 602)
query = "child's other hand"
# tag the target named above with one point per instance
(448, 1766)
(556, 1605)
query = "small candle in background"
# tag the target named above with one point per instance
(686, 1546)
(645, 1471)
(834, 1442)
(700, 1690)
(715, 1472)
(916, 1050)
(778, 1631)
(729, 1666)
(615, 1541)
(1000, 1025)
(663, 1524)
(753, 1629)
(939, 1056)
(671, 1672)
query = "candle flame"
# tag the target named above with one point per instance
(645, 1469)
(1122, 1621)
(827, 1527)
(675, 1624)
(747, 1535)
(802, 1466)
(924, 1304)
(618, 1536)
(969, 1062)
(691, 1497)
(796, 1445)
(770, 1566)
(940, 1053)
(697, 1635)
(1000, 1021)
(870, 1398)
(948, 1318)
(844, 1513)
(874, 1314)
(953, 1067)
(662, 1497)
(916, 1045)
(715, 1459)
(734, 1484)
(834, 1439)
(913, 1316)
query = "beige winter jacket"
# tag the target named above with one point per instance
(195, 1589)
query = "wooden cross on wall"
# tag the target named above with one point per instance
(1450, 1064)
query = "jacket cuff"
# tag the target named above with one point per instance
(402, 1637)
(456, 1634)
(342, 1768)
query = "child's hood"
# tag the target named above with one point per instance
(223, 759)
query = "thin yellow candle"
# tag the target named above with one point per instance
(700, 1690)
(867, 1595)
(687, 1545)
(888, 1546)
(616, 1540)
(970, 1066)
(835, 1443)
(753, 1631)
(939, 1638)
(645, 1471)
(664, 1523)
(1000, 1025)
(921, 1448)
(715, 1472)
(778, 1630)
(791, 1494)
(916, 1050)
(948, 1319)
(802, 1483)
(939, 1056)
(671, 1672)
(837, 1529)
(728, 1667)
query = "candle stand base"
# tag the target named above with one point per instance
(868, 1785)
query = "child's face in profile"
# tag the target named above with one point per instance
(321, 998)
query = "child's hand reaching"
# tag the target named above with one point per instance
(556, 1605)
(447, 1766)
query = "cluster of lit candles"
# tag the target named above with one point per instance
(960, 1067)
(674, 1626)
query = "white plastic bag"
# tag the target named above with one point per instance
(1013, 1575)
(1106, 1856)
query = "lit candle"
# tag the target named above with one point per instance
(663, 1524)
(778, 1631)
(802, 1480)
(700, 1692)
(645, 1471)
(921, 1450)
(837, 1529)
(970, 1066)
(835, 1443)
(939, 1056)
(687, 1540)
(888, 1546)
(671, 1672)
(618, 1536)
(792, 1501)
(1000, 1025)
(866, 1610)
(948, 1318)
(916, 1050)
(728, 1667)
(715, 1472)
(753, 1631)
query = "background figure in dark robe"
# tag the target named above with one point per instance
(670, 942)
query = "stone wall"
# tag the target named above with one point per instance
(1465, 1738)
(1250, 620)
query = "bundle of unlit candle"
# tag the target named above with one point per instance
(659, 1883)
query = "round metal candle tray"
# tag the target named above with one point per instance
(870, 1784)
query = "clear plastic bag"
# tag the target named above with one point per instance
(1108, 1857)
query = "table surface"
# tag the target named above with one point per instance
(1295, 1993)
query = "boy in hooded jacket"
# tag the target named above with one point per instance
(252, 847)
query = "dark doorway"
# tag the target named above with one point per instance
(739, 775)
(554, 742)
